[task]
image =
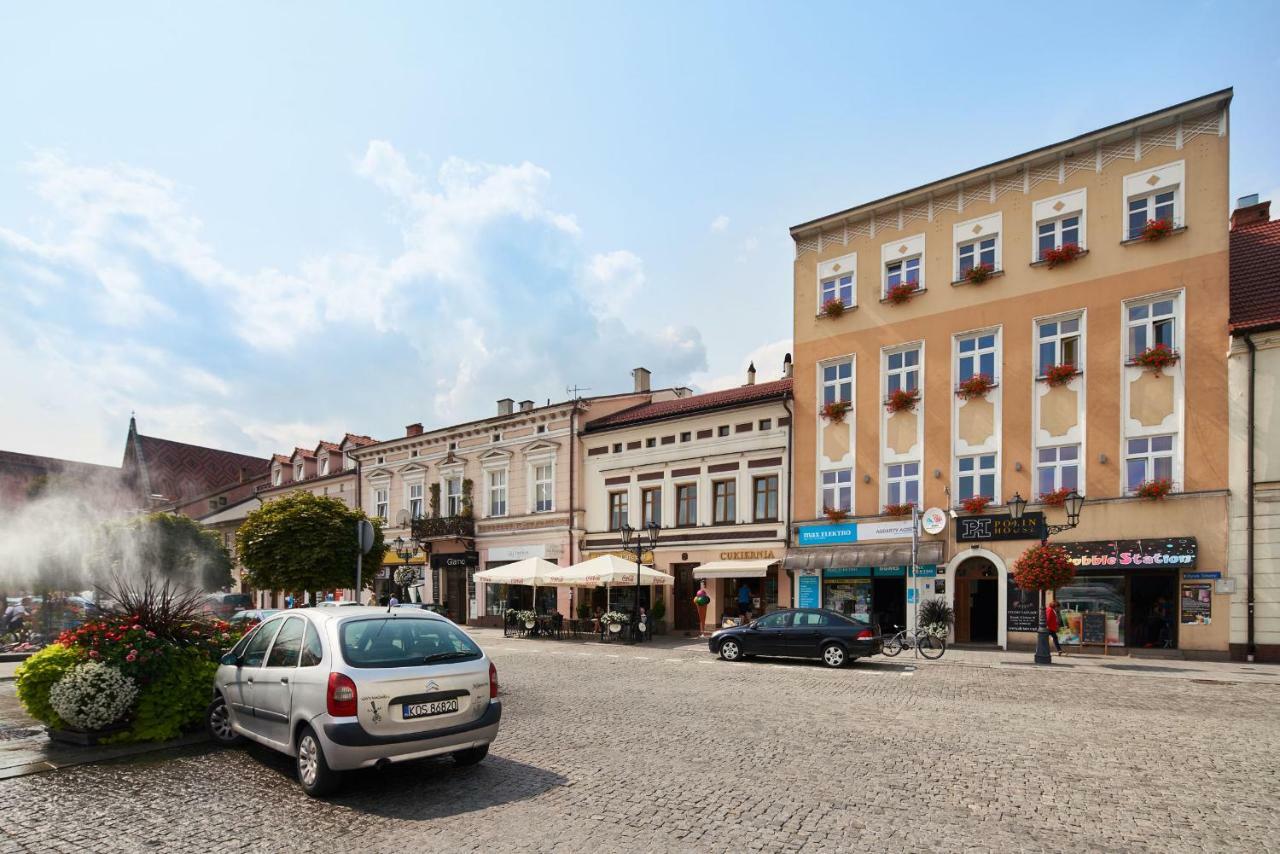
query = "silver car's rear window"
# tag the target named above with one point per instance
(403, 642)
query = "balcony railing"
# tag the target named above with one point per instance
(444, 527)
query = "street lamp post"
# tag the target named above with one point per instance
(405, 550)
(631, 538)
(1072, 504)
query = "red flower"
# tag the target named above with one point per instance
(1043, 567)
(1155, 490)
(902, 399)
(1057, 375)
(1156, 358)
(976, 386)
(1064, 254)
(901, 292)
(1157, 229)
(976, 504)
(978, 274)
(833, 307)
(1056, 498)
(836, 410)
(898, 509)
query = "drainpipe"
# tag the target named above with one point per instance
(791, 426)
(1253, 367)
(573, 512)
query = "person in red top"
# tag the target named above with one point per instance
(1052, 622)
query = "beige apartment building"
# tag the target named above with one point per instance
(486, 493)
(1087, 351)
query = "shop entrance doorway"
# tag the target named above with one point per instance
(686, 613)
(455, 594)
(1153, 603)
(889, 601)
(977, 602)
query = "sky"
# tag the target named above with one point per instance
(260, 225)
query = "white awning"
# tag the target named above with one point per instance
(733, 569)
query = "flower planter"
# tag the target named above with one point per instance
(1043, 567)
(1063, 254)
(901, 292)
(614, 628)
(1060, 374)
(1156, 359)
(976, 504)
(833, 308)
(83, 738)
(978, 274)
(1056, 498)
(902, 400)
(1157, 229)
(835, 515)
(898, 509)
(977, 385)
(1154, 490)
(836, 411)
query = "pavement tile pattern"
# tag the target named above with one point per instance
(665, 749)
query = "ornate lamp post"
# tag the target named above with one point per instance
(631, 538)
(1072, 504)
(405, 550)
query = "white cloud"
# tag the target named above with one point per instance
(720, 223)
(768, 361)
(612, 280)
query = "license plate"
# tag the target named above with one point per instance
(426, 710)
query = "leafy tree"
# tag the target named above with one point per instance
(302, 542)
(175, 548)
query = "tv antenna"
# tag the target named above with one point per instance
(575, 391)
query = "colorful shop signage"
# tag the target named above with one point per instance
(810, 594)
(852, 532)
(1197, 604)
(1170, 552)
(985, 529)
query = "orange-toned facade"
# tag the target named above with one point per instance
(1101, 177)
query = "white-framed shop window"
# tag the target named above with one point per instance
(837, 490)
(902, 483)
(1148, 458)
(1057, 467)
(976, 476)
(1059, 341)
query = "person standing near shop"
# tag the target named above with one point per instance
(744, 600)
(1052, 621)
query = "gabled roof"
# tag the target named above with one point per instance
(727, 399)
(177, 471)
(1255, 275)
(304, 453)
(280, 458)
(354, 440)
(331, 447)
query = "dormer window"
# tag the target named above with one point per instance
(324, 466)
(297, 472)
(277, 477)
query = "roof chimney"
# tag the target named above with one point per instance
(751, 374)
(786, 367)
(526, 406)
(641, 376)
(1250, 212)
(413, 430)
(505, 405)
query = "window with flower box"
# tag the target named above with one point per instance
(837, 490)
(902, 483)
(977, 476)
(1057, 468)
(1161, 204)
(976, 354)
(1058, 343)
(1056, 233)
(902, 370)
(1148, 458)
(904, 270)
(837, 381)
(1150, 323)
(974, 253)
(838, 288)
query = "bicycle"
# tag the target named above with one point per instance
(925, 642)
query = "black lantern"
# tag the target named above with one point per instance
(1073, 503)
(631, 538)
(1017, 506)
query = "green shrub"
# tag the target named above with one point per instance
(659, 610)
(36, 677)
(174, 700)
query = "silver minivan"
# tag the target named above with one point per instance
(357, 687)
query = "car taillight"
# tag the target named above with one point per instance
(866, 634)
(341, 698)
(493, 682)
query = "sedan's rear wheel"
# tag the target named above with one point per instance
(730, 650)
(833, 655)
(471, 756)
(217, 720)
(314, 773)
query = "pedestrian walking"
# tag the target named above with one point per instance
(744, 601)
(1053, 620)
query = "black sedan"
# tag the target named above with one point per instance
(800, 633)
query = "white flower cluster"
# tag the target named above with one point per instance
(405, 576)
(92, 696)
(610, 617)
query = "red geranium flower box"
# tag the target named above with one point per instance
(1064, 254)
(976, 386)
(1056, 498)
(835, 411)
(975, 504)
(978, 274)
(898, 509)
(1157, 358)
(833, 307)
(835, 515)
(1043, 567)
(1059, 374)
(1154, 490)
(902, 400)
(901, 292)
(1157, 229)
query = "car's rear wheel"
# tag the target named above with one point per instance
(833, 655)
(730, 650)
(471, 756)
(217, 720)
(314, 774)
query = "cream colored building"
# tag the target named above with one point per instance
(973, 368)
(712, 471)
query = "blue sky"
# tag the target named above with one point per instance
(258, 225)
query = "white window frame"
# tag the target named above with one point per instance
(324, 465)
(903, 269)
(1149, 458)
(277, 477)
(976, 354)
(452, 500)
(835, 488)
(299, 471)
(901, 480)
(1151, 208)
(1057, 465)
(842, 387)
(976, 245)
(1057, 338)
(976, 475)
(1058, 224)
(904, 372)
(842, 286)
(1148, 323)
(382, 502)
(496, 492)
(419, 499)
(539, 484)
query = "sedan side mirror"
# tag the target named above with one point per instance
(230, 658)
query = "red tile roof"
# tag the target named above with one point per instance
(357, 440)
(331, 447)
(304, 453)
(281, 458)
(1255, 275)
(693, 404)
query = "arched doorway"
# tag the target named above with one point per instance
(977, 601)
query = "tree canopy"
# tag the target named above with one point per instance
(173, 547)
(303, 542)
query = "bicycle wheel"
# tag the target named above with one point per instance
(892, 646)
(931, 646)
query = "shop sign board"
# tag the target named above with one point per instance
(1197, 604)
(1093, 628)
(514, 553)
(991, 528)
(1161, 552)
(1022, 613)
(810, 592)
(852, 532)
(1192, 576)
(455, 560)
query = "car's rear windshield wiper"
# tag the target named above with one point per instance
(445, 656)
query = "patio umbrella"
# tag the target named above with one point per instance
(606, 569)
(533, 570)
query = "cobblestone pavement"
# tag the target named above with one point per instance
(651, 749)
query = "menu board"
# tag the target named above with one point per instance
(1093, 628)
(1197, 604)
(1023, 610)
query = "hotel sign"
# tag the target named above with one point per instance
(986, 529)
